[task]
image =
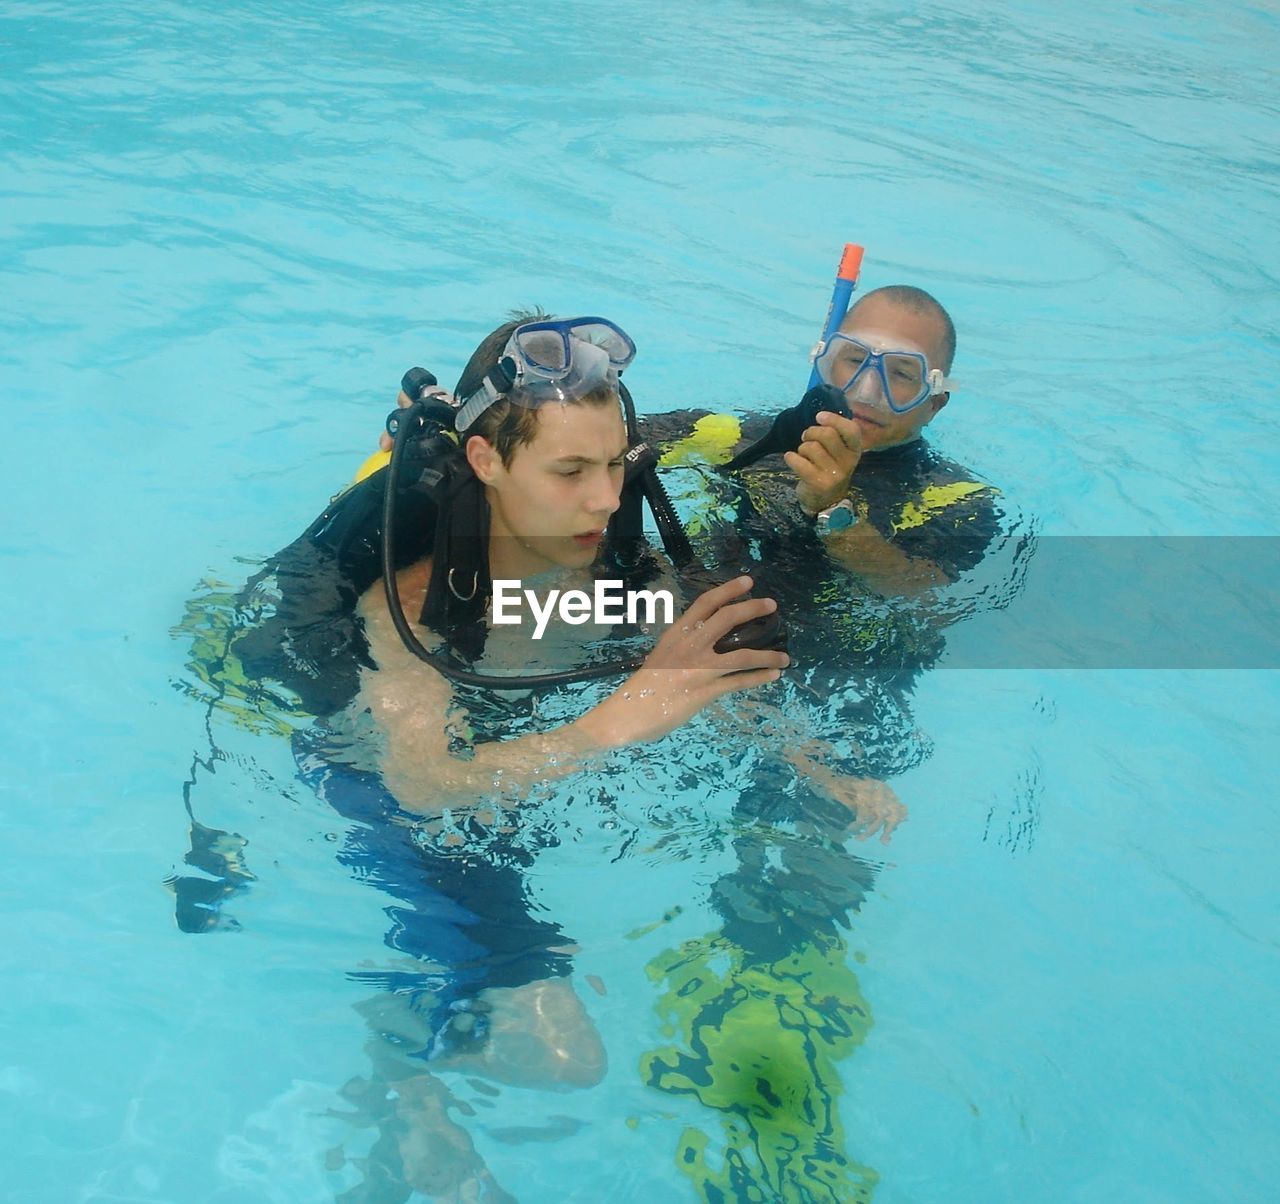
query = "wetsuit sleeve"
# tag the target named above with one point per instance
(709, 436)
(951, 524)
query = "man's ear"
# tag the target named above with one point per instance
(484, 459)
(940, 401)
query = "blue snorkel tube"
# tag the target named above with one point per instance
(846, 282)
(789, 426)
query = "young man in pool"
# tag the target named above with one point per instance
(549, 456)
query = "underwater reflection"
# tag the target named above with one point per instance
(760, 1014)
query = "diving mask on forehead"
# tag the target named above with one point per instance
(903, 373)
(556, 360)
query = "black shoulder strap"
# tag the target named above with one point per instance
(350, 529)
(626, 545)
(460, 583)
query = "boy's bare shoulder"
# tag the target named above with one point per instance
(372, 608)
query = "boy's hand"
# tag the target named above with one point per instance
(684, 672)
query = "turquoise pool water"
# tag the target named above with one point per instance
(226, 233)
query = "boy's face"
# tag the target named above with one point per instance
(554, 499)
(887, 326)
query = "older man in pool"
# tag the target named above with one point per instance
(884, 505)
(887, 507)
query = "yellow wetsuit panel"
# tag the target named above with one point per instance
(711, 441)
(933, 500)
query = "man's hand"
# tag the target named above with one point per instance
(825, 460)
(875, 804)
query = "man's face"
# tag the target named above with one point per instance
(884, 325)
(554, 499)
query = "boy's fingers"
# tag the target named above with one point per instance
(706, 604)
(743, 660)
(729, 617)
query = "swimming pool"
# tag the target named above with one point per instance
(227, 233)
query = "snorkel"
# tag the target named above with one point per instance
(789, 426)
(846, 282)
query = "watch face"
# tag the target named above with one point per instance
(836, 517)
(840, 518)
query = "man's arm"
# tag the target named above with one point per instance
(824, 464)
(873, 803)
(937, 535)
(884, 566)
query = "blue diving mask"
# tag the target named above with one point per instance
(902, 372)
(561, 359)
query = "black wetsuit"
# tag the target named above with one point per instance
(928, 506)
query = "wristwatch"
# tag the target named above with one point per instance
(839, 517)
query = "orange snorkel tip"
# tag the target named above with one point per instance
(846, 282)
(850, 263)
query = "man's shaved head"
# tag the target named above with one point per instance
(917, 301)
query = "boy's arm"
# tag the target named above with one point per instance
(410, 700)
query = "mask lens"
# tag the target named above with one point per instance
(591, 365)
(619, 348)
(907, 376)
(848, 359)
(547, 350)
(840, 361)
(588, 367)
